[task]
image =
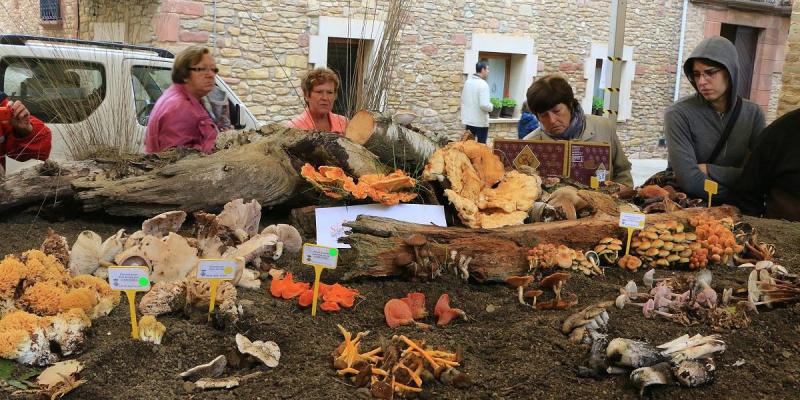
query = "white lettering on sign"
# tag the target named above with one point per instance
(632, 220)
(129, 278)
(601, 175)
(216, 269)
(320, 255)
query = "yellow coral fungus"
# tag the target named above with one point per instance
(11, 271)
(40, 267)
(98, 285)
(83, 298)
(21, 320)
(12, 342)
(43, 298)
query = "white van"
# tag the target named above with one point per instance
(93, 93)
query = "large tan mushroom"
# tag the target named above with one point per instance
(267, 352)
(241, 218)
(89, 252)
(556, 282)
(164, 223)
(288, 235)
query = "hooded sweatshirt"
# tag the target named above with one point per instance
(692, 128)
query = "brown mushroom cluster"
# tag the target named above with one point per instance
(655, 199)
(664, 245)
(545, 256)
(717, 237)
(554, 282)
(608, 249)
(417, 259)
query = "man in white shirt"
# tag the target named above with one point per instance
(475, 104)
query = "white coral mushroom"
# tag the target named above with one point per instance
(150, 330)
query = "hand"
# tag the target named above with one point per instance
(20, 119)
(704, 168)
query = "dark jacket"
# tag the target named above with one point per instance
(692, 128)
(770, 181)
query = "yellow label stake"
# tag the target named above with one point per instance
(593, 182)
(711, 187)
(631, 221)
(215, 271)
(130, 280)
(319, 257)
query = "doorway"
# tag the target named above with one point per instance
(745, 38)
(346, 58)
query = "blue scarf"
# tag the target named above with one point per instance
(576, 125)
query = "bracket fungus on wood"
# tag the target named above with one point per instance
(164, 223)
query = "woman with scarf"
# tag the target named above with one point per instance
(561, 117)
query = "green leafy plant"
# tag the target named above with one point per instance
(496, 103)
(597, 105)
(509, 102)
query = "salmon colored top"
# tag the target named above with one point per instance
(179, 120)
(305, 122)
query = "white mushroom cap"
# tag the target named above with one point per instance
(288, 234)
(111, 247)
(267, 352)
(164, 223)
(84, 257)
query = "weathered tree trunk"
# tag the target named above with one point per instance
(496, 253)
(44, 184)
(265, 169)
(396, 145)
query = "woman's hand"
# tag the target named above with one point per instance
(703, 168)
(20, 119)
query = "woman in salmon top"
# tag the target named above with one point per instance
(319, 90)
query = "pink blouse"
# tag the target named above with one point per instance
(179, 120)
(305, 122)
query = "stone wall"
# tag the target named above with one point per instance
(23, 17)
(790, 91)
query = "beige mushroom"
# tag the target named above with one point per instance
(85, 255)
(212, 369)
(241, 218)
(150, 330)
(164, 298)
(267, 352)
(519, 283)
(164, 223)
(288, 235)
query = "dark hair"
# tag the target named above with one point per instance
(708, 62)
(548, 91)
(184, 60)
(316, 77)
(480, 66)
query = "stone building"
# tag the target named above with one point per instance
(263, 46)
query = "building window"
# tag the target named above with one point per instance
(50, 10)
(347, 58)
(512, 64)
(346, 46)
(597, 72)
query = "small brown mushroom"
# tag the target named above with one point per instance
(415, 240)
(555, 281)
(533, 294)
(519, 283)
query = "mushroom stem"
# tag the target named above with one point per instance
(521, 299)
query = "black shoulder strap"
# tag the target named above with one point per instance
(727, 132)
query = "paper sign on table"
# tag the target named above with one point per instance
(130, 280)
(631, 221)
(319, 257)
(593, 182)
(215, 270)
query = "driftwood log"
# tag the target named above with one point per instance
(496, 253)
(259, 165)
(396, 145)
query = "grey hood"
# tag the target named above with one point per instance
(720, 50)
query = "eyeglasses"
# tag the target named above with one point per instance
(707, 74)
(204, 69)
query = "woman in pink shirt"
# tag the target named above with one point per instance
(179, 118)
(319, 89)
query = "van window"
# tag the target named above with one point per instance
(148, 85)
(55, 91)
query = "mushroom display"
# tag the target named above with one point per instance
(608, 249)
(387, 189)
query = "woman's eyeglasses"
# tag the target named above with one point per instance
(204, 69)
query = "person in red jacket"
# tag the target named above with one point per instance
(22, 136)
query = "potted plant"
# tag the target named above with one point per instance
(497, 105)
(509, 105)
(597, 106)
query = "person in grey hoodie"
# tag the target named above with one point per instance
(694, 125)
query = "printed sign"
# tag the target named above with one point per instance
(601, 175)
(320, 255)
(129, 278)
(632, 220)
(589, 159)
(216, 269)
(549, 157)
(330, 220)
